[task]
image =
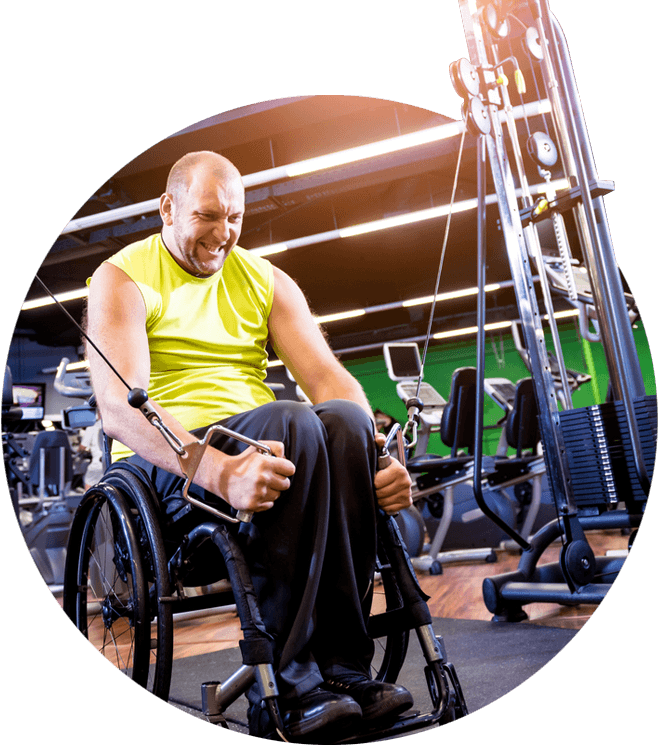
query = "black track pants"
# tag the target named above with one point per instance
(312, 555)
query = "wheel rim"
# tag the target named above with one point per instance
(112, 599)
(389, 650)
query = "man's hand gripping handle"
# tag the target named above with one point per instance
(190, 454)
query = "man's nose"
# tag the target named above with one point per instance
(221, 231)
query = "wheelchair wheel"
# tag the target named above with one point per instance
(387, 629)
(389, 648)
(135, 486)
(106, 592)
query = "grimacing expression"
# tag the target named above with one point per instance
(206, 223)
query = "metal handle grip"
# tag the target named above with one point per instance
(190, 460)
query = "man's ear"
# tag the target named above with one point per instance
(165, 208)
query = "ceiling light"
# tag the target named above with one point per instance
(316, 164)
(471, 330)
(40, 302)
(442, 296)
(467, 292)
(340, 316)
(378, 148)
(395, 221)
(564, 314)
(497, 325)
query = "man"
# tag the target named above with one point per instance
(186, 315)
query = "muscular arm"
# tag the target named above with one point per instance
(117, 325)
(301, 346)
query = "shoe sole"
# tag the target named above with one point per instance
(388, 709)
(325, 723)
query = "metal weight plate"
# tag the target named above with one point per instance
(542, 149)
(464, 78)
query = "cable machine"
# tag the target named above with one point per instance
(599, 459)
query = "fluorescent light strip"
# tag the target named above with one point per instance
(387, 146)
(563, 314)
(43, 301)
(443, 296)
(40, 302)
(84, 364)
(471, 330)
(454, 295)
(315, 164)
(395, 221)
(341, 316)
(498, 325)
(378, 148)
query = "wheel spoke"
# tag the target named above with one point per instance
(116, 551)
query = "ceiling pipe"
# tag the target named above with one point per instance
(369, 151)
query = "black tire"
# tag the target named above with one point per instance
(143, 501)
(389, 635)
(105, 591)
(390, 648)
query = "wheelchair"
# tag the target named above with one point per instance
(125, 578)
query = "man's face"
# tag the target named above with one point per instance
(203, 224)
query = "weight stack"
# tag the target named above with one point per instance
(600, 454)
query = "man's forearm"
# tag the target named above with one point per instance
(342, 386)
(129, 426)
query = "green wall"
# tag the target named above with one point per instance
(443, 359)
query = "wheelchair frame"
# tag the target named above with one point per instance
(146, 586)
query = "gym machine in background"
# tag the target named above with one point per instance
(599, 459)
(41, 466)
(445, 508)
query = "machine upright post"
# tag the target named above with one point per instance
(519, 263)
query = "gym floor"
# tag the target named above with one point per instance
(456, 593)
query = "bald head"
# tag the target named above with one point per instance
(204, 165)
(202, 211)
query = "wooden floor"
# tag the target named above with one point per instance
(456, 593)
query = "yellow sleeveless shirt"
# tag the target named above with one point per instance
(207, 337)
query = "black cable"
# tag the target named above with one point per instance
(442, 261)
(82, 331)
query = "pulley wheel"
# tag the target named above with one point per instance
(464, 78)
(532, 43)
(497, 25)
(542, 149)
(475, 114)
